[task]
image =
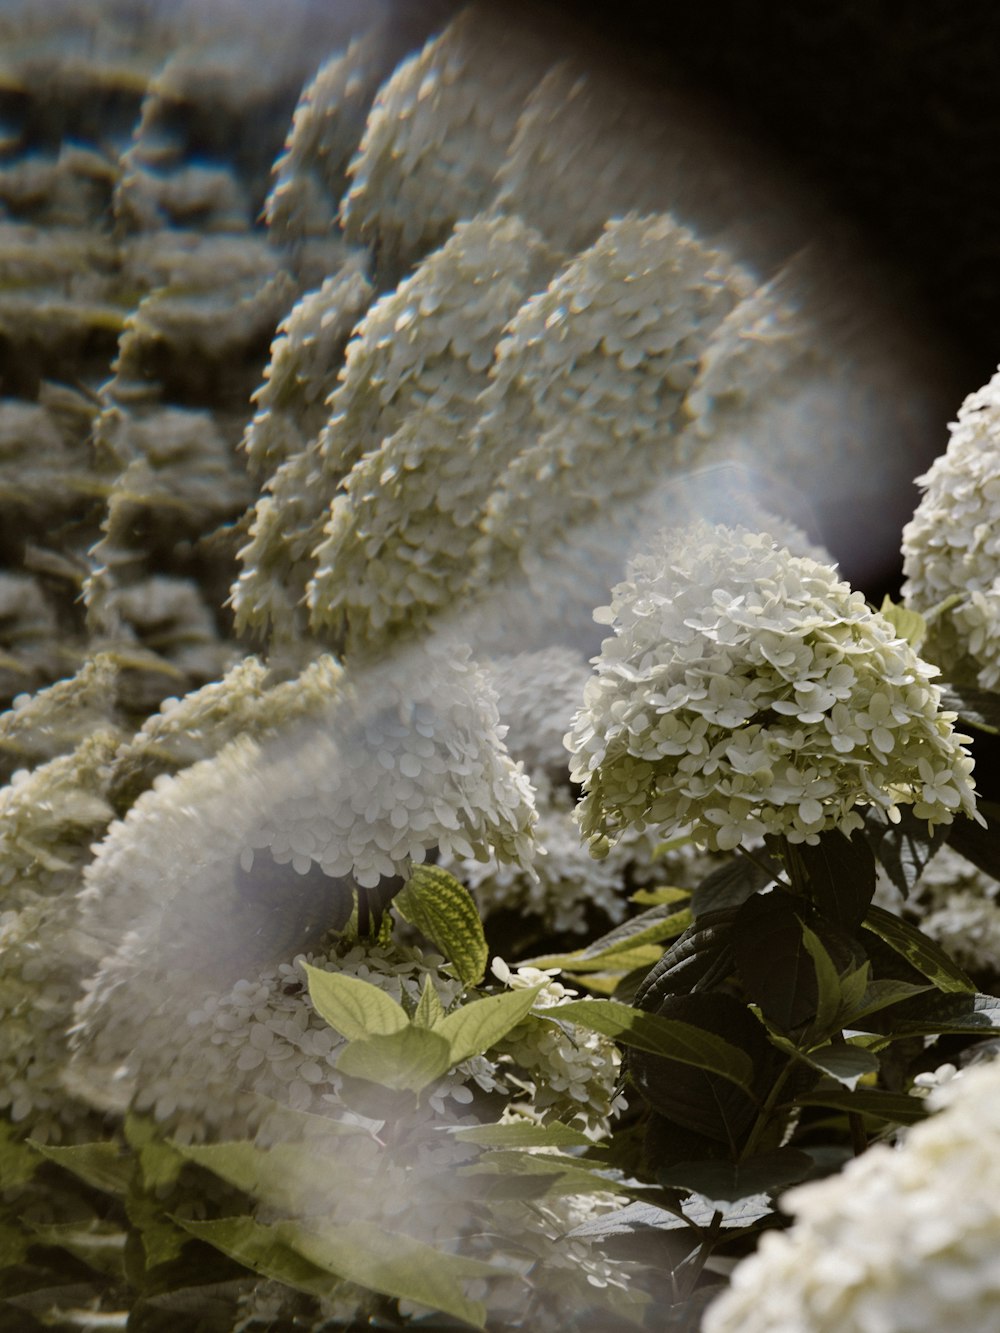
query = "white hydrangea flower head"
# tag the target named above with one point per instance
(305, 361)
(902, 1239)
(747, 691)
(397, 541)
(40, 726)
(437, 135)
(567, 1072)
(310, 174)
(426, 345)
(607, 353)
(538, 694)
(951, 547)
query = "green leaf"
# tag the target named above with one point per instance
(667, 1037)
(103, 1166)
(828, 985)
(839, 873)
(904, 848)
(474, 1028)
(979, 845)
(557, 1174)
(616, 965)
(283, 1175)
(101, 1245)
(847, 1064)
(395, 1264)
(731, 885)
(909, 625)
(619, 946)
(879, 995)
(975, 708)
(441, 908)
(524, 1134)
(934, 1014)
(356, 1009)
(701, 957)
(892, 1106)
(264, 1250)
(774, 966)
(729, 1182)
(919, 951)
(18, 1159)
(429, 1009)
(408, 1060)
(666, 893)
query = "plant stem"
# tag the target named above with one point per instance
(764, 1116)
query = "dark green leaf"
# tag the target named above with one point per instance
(18, 1159)
(563, 1175)
(935, 1014)
(847, 1064)
(441, 908)
(700, 959)
(682, 1042)
(904, 848)
(772, 961)
(839, 874)
(976, 708)
(732, 884)
(921, 952)
(408, 1060)
(979, 845)
(879, 995)
(729, 1182)
(893, 1106)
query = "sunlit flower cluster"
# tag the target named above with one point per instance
(747, 691)
(951, 547)
(903, 1240)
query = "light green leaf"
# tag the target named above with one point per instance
(921, 952)
(394, 1264)
(283, 1175)
(429, 1010)
(828, 985)
(99, 1244)
(671, 1038)
(475, 1027)
(18, 1159)
(641, 932)
(441, 907)
(407, 1060)
(263, 1249)
(356, 1009)
(909, 625)
(663, 895)
(159, 1161)
(617, 964)
(558, 1174)
(524, 1134)
(102, 1166)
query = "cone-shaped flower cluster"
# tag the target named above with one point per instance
(747, 691)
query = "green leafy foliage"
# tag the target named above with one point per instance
(441, 907)
(921, 952)
(730, 1182)
(904, 847)
(357, 1009)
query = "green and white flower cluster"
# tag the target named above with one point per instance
(747, 691)
(902, 1239)
(951, 548)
